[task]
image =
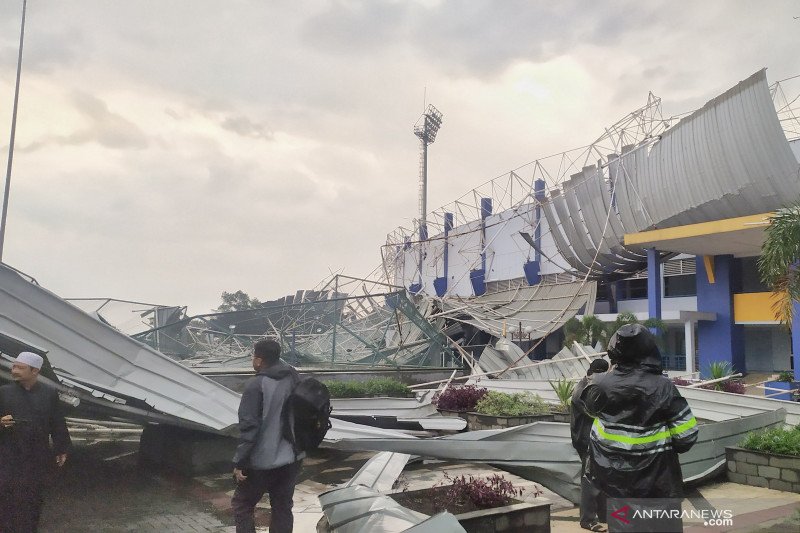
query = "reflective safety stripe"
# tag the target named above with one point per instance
(683, 428)
(647, 439)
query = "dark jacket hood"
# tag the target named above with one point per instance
(634, 346)
(279, 370)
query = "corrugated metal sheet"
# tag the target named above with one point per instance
(380, 471)
(81, 345)
(728, 159)
(544, 308)
(543, 452)
(359, 509)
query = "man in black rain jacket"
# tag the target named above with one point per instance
(642, 423)
(593, 501)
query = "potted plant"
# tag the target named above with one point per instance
(563, 389)
(479, 503)
(458, 400)
(785, 382)
(500, 410)
(768, 458)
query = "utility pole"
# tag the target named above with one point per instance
(13, 133)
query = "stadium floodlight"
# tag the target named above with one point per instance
(426, 128)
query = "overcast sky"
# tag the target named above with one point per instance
(169, 150)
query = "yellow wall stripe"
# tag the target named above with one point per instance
(753, 307)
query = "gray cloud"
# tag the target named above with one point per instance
(176, 207)
(106, 128)
(242, 125)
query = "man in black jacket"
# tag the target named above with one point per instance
(642, 423)
(265, 461)
(593, 502)
(30, 414)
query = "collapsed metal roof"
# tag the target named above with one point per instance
(92, 352)
(728, 159)
(542, 308)
(543, 451)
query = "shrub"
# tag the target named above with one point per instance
(519, 404)
(369, 388)
(778, 440)
(736, 386)
(460, 398)
(494, 491)
(785, 376)
(386, 387)
(563, 389)
(720, 369)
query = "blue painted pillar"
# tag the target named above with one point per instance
(796, 341)
(440, 284)
(486, 212)
(478, 276)
(653, 283)
(533, 268)
(720, 340)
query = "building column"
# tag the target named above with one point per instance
(532, 268)
(653, 283)
(440, 284)
(688, 332)
(719, 340)
(796, 340)
(478, 276)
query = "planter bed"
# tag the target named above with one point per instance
(458, 414)
(762, 469)
(477, 421)
(559, 416)
(517, 517)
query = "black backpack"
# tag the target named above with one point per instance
(307, 414)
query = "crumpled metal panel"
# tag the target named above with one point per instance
(417, 407)
(341, 429)
(81, 345)
(360, 509)
(563, 244)
(719, 405)
(380, 471)
(729, 158)
(541, 306)
(592, 195)
(542, 451)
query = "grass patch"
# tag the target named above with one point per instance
(778, 440)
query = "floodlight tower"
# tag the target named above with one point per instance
(426, 128)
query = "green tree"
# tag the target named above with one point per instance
(623, 318)
(588, 331)
(779, 260)
(237, 301)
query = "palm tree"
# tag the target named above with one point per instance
(779, 261)
(588, 331)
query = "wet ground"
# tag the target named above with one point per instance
(102, 488)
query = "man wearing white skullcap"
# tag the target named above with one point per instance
(30, 414)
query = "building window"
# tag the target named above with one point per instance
(683, 285)
(747, 278)
(632, 289)
(602, 292)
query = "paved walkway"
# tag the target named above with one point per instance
(102, 489)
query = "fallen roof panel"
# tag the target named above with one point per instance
(80, 345)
